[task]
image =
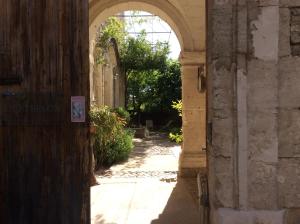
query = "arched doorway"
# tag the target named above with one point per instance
(189, 27)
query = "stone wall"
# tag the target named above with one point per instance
(108, 80)
(288, 175)
(295, 30)
(253, 61)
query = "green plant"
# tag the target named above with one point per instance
(122, 113)
(120, 149)
(177, 105)
(176, 133)
(112, 142)
(112, 28)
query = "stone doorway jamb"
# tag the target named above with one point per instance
(193, 155)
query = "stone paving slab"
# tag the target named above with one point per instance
(145, 189)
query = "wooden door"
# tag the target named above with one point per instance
(45, 159)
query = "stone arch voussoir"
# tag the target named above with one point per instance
(99, 10)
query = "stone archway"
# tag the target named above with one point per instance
(100, 10)
(189, 26)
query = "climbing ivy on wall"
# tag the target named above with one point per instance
(112, 28)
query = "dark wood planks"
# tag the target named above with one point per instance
(44, 158)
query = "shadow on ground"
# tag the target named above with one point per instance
(146, 189)
(182, 206)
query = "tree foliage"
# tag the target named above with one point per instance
(154, 90)
(138, 54)
(112, 28)
(153, 80)
(176, 134)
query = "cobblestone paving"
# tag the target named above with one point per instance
(156, 147)
(139, 174)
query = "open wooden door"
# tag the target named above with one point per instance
(45, 158)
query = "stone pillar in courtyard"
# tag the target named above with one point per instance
(193, 155)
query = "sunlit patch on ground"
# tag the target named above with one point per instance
(145, 189)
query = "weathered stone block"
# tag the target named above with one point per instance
(292, 216)
(223, 181)
(295, 27)
(289, 125)
(231, 216)
(141, 132)
(295, 36)
(190, 117)
(289, 82)
(222, 104)
(222, 87)
(268, 2)
(222, 77)
(242, 29)
(262, 85)
(222, 137)
(295, 19)
(192, 98)
(295, 30)
(262, 185)
(264, 30)
(262, 136)
(194, 122)
(289, 3)
(295, 50)
(222, 98)
(284, 32)
(193, 141)
(222, 32)
(222, 4)
(295, 11)
(289, 182)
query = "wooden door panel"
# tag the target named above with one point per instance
(44, 158)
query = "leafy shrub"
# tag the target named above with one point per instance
(120, 149)
(112, 142)
(177, 105)
(176, 133)
(122, 113)
(113, 28)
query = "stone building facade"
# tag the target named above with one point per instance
(254, 65)
(108, 79)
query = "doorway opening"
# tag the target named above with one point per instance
(189, 158)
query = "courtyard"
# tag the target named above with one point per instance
(146, 188)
